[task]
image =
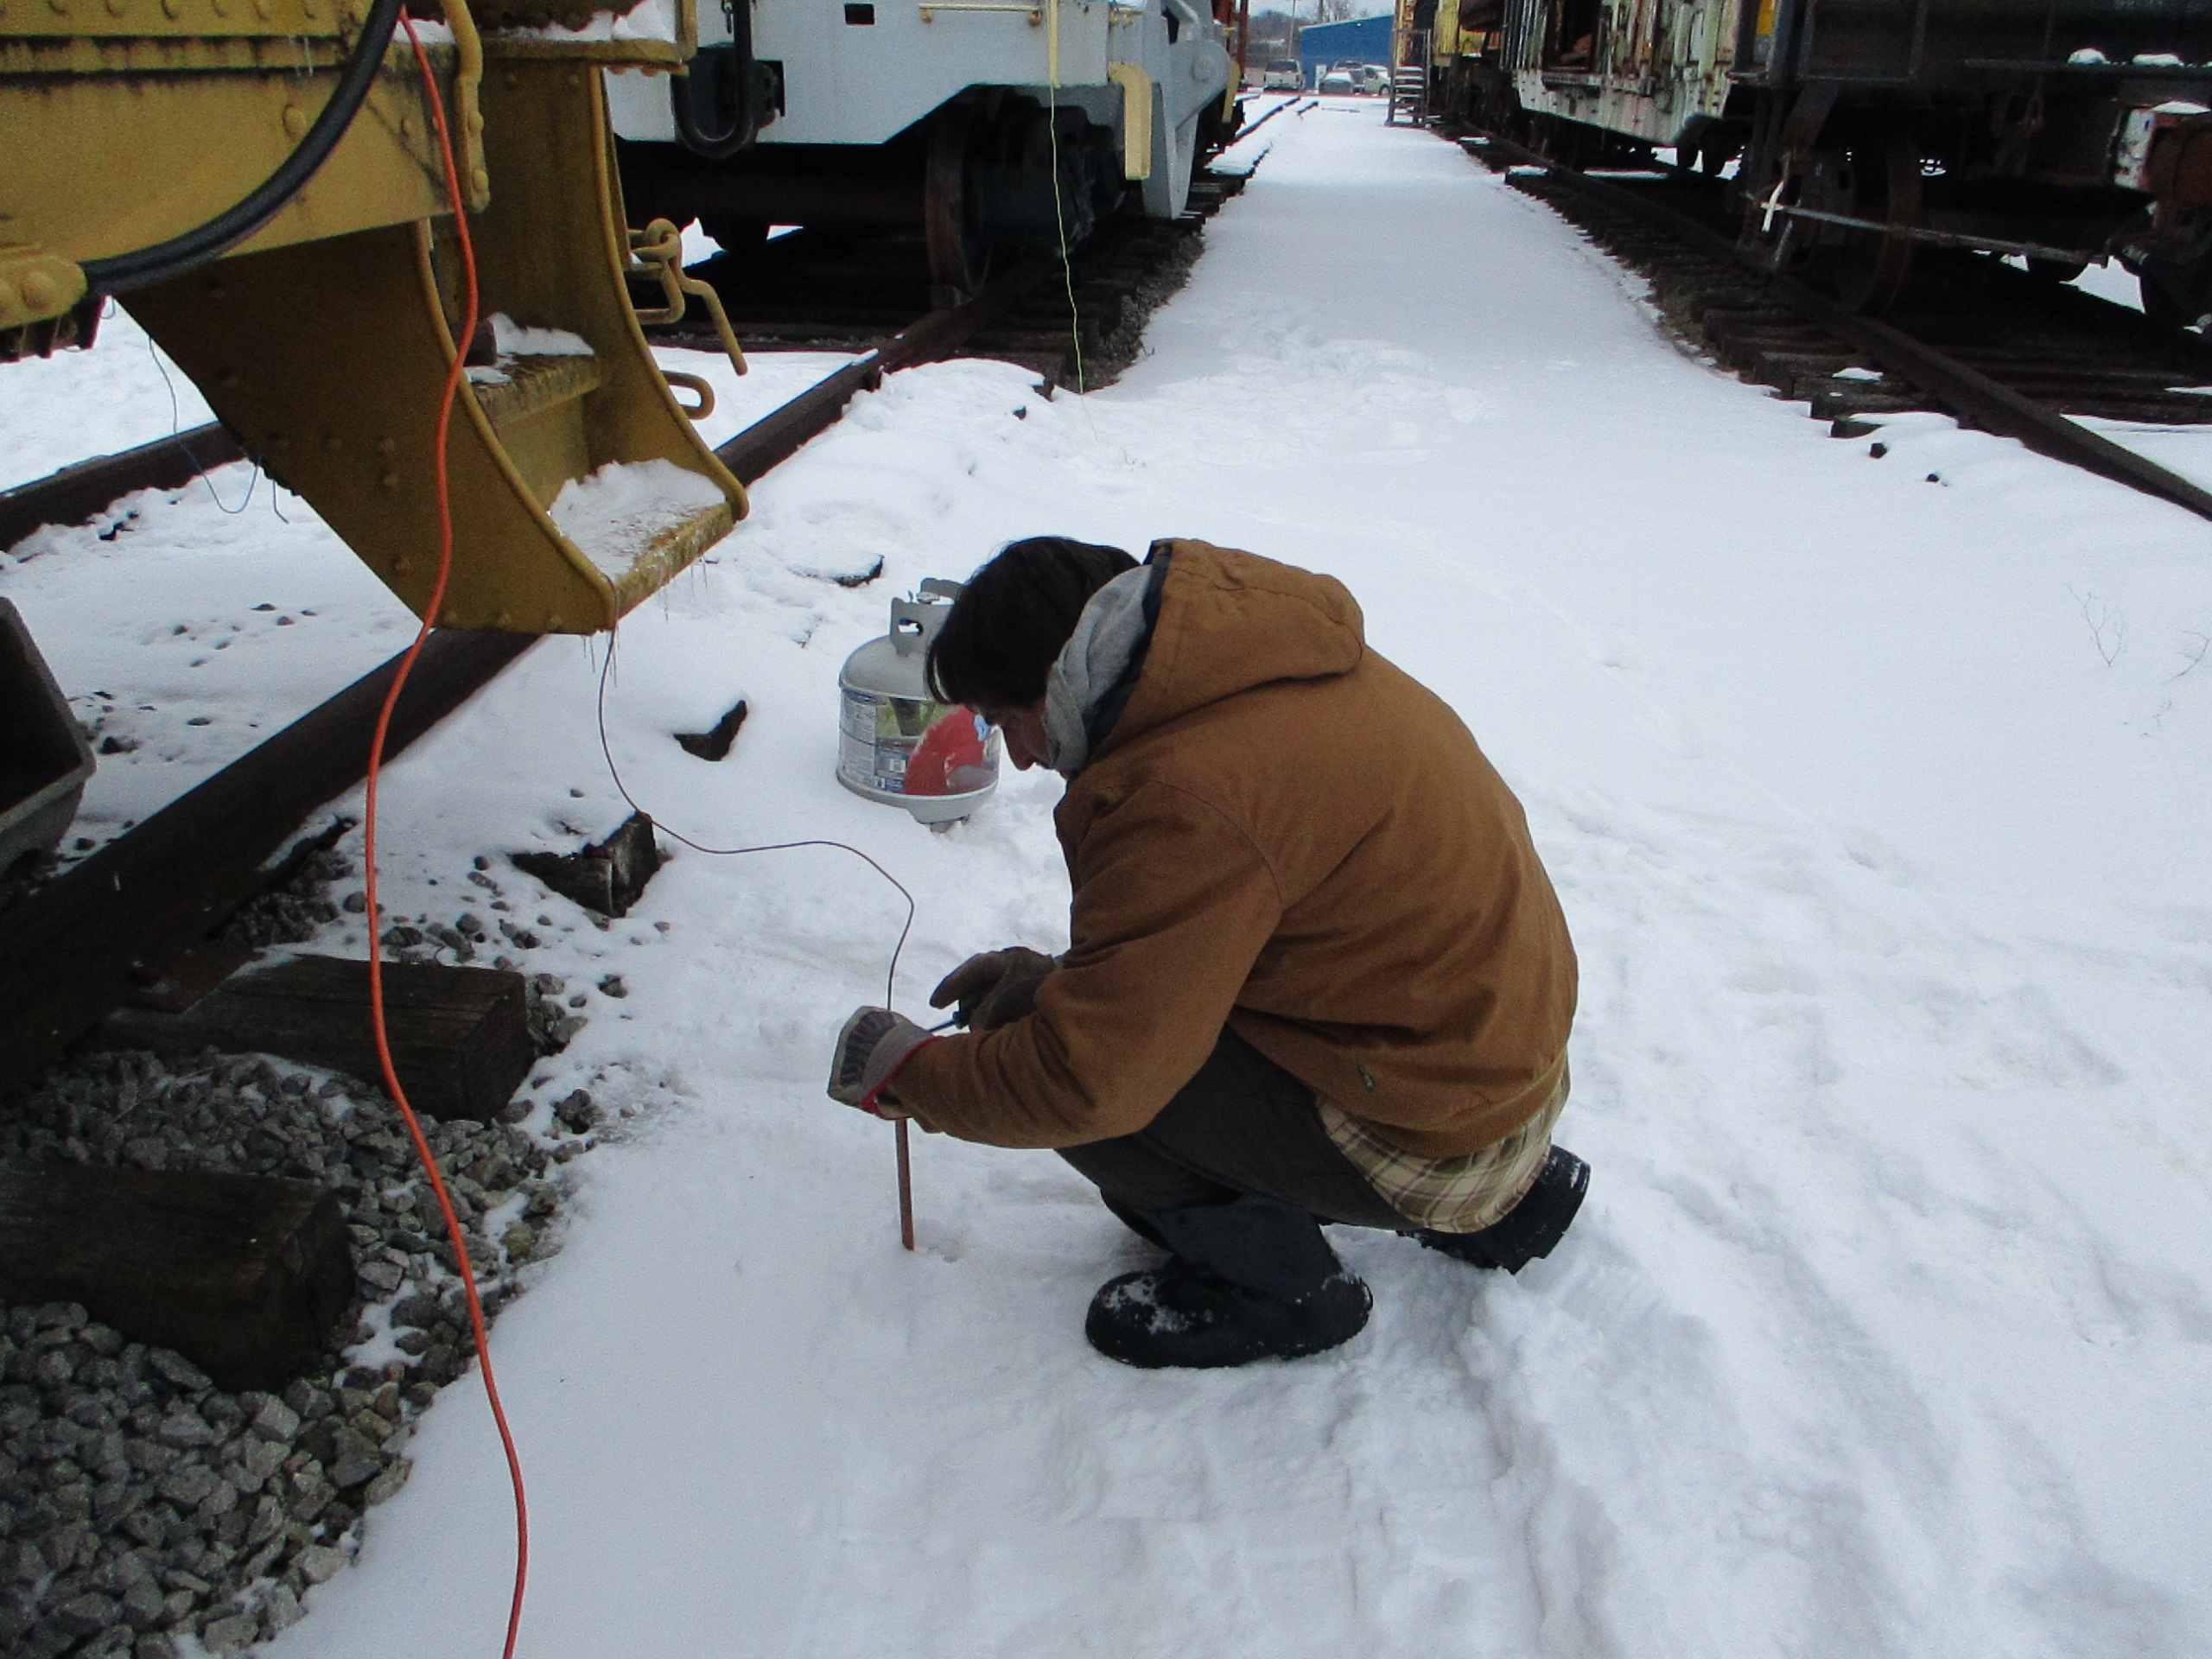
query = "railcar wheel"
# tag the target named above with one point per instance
(1864, 269)
(959, 260)
(740, 238)
(1712, 155)
(2176, 293)
(1872, 265)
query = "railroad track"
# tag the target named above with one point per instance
(855, 294)
(1293, 102)
(151, 917)
(141, 909)
(256, 1274)
(1990, 345)
(811, 290)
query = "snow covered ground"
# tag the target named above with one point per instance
(1876, 792)
(2110, 281)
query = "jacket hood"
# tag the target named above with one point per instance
(1229, 621)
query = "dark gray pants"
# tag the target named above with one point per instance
(1242, 1126)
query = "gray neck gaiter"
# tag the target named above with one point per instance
(1111, 627)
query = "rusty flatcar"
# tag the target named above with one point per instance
(1856, 133)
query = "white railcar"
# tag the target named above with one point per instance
(991, 124)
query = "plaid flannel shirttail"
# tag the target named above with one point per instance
(1449, 1195)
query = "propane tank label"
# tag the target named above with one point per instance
(909, 746)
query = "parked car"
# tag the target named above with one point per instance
(1338, 81)
(1370, 77)
(1283, 75)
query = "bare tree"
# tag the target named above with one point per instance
(1274, 34)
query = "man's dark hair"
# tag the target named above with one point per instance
(999, 644)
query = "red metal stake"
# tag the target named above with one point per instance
(905, 1189)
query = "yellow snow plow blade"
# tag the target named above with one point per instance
(578, 486)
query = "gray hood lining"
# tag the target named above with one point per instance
(1113, 630)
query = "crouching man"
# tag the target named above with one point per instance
(1317, 972)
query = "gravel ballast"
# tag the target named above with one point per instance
(139, 1503)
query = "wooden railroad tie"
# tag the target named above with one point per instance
(74, 949)
(244, 1276)
(460, 1036)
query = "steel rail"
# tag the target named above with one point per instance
(1261, 120)
(1931, 237)
(1984, 402)
(80, 492)
(77, 492)
(77, 947)
(779, 433)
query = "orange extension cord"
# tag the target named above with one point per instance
(376, 762)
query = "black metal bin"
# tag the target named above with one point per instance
(44, 760)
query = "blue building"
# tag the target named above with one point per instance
(1356, 39)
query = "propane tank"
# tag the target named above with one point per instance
(897, 744)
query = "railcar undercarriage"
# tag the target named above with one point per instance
(1855, 139)
(994, 127)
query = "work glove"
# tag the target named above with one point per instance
(874, 1045)
(995, 989)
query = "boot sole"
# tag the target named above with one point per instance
(1220, 1347)
(1532, 1228)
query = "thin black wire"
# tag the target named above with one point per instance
(1060, 223)
(177, 427)
(890, 979)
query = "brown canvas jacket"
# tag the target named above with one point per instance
(1284, 834)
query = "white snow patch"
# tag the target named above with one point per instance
(698, 246)
(380, 1347)
(614, 515)
(652, 20)
(770, 380)
(512, 338)
(123, 391)
(2111, 281)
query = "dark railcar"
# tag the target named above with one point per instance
(1856, 132)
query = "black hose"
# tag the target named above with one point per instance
(701, 89)
(724, 80)
(196, 247)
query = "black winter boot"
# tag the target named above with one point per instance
(1252, 1279)
(1531, 1228)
